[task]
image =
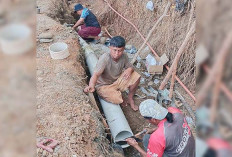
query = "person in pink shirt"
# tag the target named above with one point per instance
(172, 138)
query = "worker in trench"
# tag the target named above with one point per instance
(114, 74)
(171, 138)
(87, 26)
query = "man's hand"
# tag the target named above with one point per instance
(89, 89)
(132, 142)
(127, 73)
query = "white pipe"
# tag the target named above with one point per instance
(117, 122)
(59, 50)
(16, 39)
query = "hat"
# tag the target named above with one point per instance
(150, 108)
(78, 7)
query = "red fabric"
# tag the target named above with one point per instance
(156, 144)
(217, 144)
(85, 32)
(174, 110)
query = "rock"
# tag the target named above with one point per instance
(40, 72)
(156, 81)
(39, 78)
(150, 83)
(128, 47)
(38, 10)
(146, 74)
(142, 80)
(103, 40)
(130, 55)
(47, 35)
(131, 50)
(45, 40)
(44, 153)
(178, 103)
(66, 138)
(69, 116)
(73, 139)
(69, 132)
(138, 65)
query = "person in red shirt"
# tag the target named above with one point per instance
(172, 138)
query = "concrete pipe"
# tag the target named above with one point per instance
(59, 50)
(16, 39)
(117, 122)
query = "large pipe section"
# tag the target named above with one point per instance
(117, 122)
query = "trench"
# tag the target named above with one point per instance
(136, 122)
(127, 152)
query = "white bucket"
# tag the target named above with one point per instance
(16, 39)
(59, 50)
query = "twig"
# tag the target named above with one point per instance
(216, 91)
(172, 83)
(223, 87)
(108, 32)
(151, 31)
(186, 105)
(191, 15)
(179, 53)
(209, 80)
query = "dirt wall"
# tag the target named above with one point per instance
(167, 37)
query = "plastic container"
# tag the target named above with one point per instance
(16, 39)
(59, 50)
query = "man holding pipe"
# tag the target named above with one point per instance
(89, 25)
(172, 138)
(114, 74)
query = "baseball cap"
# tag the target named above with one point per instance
(78, 7)
(150, 108)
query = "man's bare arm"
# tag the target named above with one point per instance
(92, 83)
(79, 22)
(127, 73)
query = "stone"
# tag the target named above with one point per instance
(156, 81)
(103, 40)
(150, 83)
(44, 153)
(40, 72)
(142, 80)
(45, 40)
(128, 47)
(69, 116)
(178, 103)
(47, 35)
(39, 78)
(138, 65)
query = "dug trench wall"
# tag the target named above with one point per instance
(64, 112)
(166, 38)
